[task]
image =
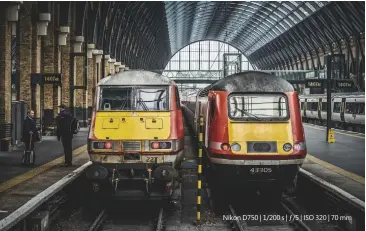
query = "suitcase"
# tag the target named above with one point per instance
(28, 155)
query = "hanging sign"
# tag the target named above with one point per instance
(314, 83)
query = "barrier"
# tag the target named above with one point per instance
(199, 170)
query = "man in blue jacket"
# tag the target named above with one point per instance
(64, 133)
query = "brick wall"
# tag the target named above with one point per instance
(24, 54)
(5, 70)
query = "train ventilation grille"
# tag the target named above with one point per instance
(131, 146)
(265, 147)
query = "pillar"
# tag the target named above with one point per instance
(116, 67)
(91, 69)
(78, 77)
(24, 53)
(106, 65)
(50, 50)
(5, 82)
(111, 66)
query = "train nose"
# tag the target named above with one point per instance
(165, 173)
(97, 173)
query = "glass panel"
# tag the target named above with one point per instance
(184, 65)
(204, 66)
(128, 98)
(194, 56)
(355, 108)
(258, 107)
(337, 107)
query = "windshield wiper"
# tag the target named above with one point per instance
(249, 114)
(143, 104)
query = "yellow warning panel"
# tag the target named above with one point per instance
(331, 138)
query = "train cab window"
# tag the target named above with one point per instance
(133, 98)
(177, 98)
(355, 108)
(337, 107)
(324, 106)
(252, 107)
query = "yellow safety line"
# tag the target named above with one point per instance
(342, 133)
(35, 171)
(336, 169)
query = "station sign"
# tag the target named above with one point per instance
(314, 83)
(344, 84)
(46, 78)
(52, 79)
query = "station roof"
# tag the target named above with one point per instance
(270, 34)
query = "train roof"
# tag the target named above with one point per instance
(135, 77)
(250, 81)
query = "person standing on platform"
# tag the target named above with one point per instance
(64, 132)
(30, 131)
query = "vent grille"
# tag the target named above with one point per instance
(131, 146)
(265, 147)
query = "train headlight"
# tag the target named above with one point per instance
(225, 147)
(236, 147)
(300, 146)
(100, 145)
(287, 147)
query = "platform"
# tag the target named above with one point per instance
(18, 195)
(50, 149)
(341, 163)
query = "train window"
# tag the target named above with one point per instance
(355, 108)
(133, 98)
(257, 107)
(324, 106)
(303, 105)
(312, 106)
(177, 98)
(337, 107)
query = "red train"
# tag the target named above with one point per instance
(253, 134)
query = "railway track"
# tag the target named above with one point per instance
(103, 222)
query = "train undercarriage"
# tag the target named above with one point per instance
(137, 181)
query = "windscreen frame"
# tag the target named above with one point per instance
(133, 88)
(262, 119)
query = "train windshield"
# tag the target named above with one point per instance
(133, 99)
(261, 107)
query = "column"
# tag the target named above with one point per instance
(5, 82)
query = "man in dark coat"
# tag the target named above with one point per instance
(30, 130)
(64, 133)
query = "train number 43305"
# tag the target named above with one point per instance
(260, 170)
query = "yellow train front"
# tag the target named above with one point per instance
(136, 137)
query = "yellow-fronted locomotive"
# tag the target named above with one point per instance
(136, 137)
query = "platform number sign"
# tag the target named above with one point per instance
(314, 83)
(344, 84)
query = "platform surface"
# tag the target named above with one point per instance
(47, 150)
(348, 151)
(15, 197)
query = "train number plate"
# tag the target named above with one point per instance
(152, 159)
(260, 170)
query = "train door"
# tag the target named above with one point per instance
(342, 109)
(320, 108)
